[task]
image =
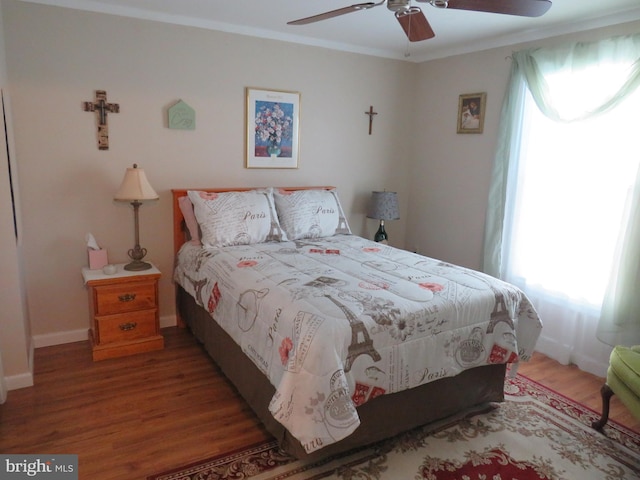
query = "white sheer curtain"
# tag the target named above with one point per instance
(562, 175)
(620, 320)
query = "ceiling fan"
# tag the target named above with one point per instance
(415, 24)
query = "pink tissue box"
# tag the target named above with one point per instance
(97, 258)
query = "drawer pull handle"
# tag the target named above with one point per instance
(127, 297)
(128, 326)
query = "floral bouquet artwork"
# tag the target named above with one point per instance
(274, 129)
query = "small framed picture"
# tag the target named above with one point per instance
(471, 112)
(272, 128)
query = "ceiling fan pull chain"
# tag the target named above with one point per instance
(406, 53)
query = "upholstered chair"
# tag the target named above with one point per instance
(623, 380)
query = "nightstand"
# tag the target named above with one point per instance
(124, 312)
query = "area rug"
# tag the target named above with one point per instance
(535, 434)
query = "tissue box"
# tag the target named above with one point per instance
(97, 258)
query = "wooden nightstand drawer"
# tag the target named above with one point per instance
(125, 298)
(125, 327)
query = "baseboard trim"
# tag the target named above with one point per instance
(23, 380)
(168, 321)
(564, 355)
(58, 338)
(70, 336)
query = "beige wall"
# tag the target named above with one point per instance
(56, 59)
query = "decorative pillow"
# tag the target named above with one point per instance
(186, 207)
(311, 213)
(236, 218)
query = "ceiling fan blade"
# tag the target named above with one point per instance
(524, 8)
(415, 25)
(334, 13)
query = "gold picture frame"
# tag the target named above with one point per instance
(272, 128)
(471, 108)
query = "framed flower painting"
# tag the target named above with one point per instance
(273, 118)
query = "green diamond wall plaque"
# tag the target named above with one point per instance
(182, 116)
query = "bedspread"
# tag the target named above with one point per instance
(338, 321)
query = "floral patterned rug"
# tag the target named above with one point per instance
(535, 434)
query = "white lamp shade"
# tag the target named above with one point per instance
(135, 186)
(383, 206)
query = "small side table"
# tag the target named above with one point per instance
(124, 312)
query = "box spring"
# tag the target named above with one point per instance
(381, 418)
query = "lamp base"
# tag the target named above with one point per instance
(136, 254)
(381, 234)
(137, 265)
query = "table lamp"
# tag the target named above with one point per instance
(383, 206)
(135, 188)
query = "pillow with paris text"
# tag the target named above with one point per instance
(313, 213)
(236, 218)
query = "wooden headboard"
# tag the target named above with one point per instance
(179, 229)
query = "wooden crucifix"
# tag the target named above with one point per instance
(371, 113)
(101, 107)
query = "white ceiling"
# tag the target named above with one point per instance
(375, 31)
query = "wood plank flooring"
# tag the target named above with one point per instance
(131, 417)
(580, 386)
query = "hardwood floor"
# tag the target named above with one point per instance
(580, 386)
(131, 417)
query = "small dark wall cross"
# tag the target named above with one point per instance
(101, 107)
(371, 113)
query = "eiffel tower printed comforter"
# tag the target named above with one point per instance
(337, 321)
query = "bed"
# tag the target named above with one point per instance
(336, 341)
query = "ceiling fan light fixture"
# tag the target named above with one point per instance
(398, 5)
(439, 3)
(407, 11)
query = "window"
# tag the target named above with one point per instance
(574, 182)
(563, 220)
